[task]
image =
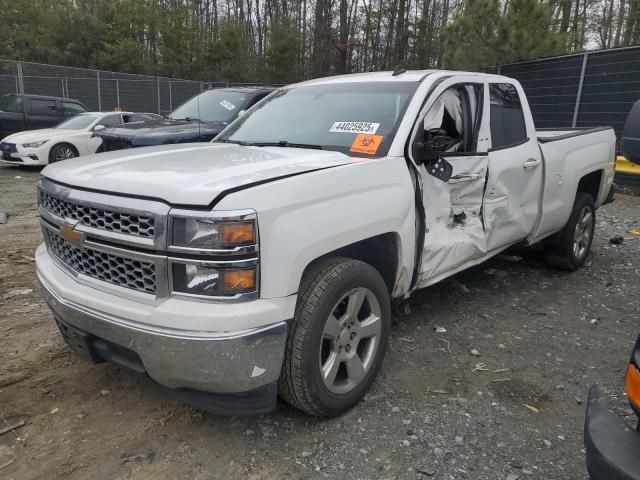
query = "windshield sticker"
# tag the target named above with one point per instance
(354, 127)
(227, 104)
(366, 144)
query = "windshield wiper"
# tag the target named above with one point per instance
(188, 119)
(281, 143)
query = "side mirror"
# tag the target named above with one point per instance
(428, 152)
(423, 153)
(97, 128)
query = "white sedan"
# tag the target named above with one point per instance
(71, 138)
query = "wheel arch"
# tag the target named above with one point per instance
(64, 142)
(591, 183)
(382, 252)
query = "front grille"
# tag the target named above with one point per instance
(7, 149)
(125, 272)
(112, 144)
(139, 225)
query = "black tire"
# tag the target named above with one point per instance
(559, 251)
(301, 383)
(56, 152)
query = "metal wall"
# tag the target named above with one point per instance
(582, 90)
(98, 90)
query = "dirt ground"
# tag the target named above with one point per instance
(436, 411)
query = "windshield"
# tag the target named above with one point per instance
(354, 118)
(212, 106)
(78, 122)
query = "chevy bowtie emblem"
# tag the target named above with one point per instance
(69, 234)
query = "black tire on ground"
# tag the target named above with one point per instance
(568, 250)
(62, 151)
(321, 292)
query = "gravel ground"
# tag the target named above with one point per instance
(486, 377)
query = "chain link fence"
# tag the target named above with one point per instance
(578, 90)
(581, 90)
(97, 89)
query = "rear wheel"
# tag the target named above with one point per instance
(62, 151)
(337, 338)
(570, 249)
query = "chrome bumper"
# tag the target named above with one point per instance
(217, 362)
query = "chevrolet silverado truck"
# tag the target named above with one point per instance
(199, 119)
(266, 262)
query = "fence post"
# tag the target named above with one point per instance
(20, 78)
(99, 93)
(576, 109)
(118, 93)
(158, 84)
(62, 86)
(170, 98)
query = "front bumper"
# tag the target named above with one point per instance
(28, 156)
(613, 447)
(221, 362)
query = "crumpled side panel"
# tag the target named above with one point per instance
(454, 228)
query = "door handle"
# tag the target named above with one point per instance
(532, 163)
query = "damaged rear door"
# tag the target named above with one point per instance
(454, 126)
(514, 185)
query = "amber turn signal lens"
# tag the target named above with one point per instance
(238, 233)
(238, 281)
(632, 385)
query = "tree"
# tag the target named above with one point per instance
(481, 36)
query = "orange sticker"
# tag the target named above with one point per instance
(364, 143)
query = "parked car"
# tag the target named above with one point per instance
(268, 260)
(71, 138)
(198, 120)
(613, 446)
(20, 112)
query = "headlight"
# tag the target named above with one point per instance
(227, 231)
(37, 144)
(223, 253)
(213, 281)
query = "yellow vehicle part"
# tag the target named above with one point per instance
(626, 167)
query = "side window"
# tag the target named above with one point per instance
(111, 120)
(70, 109)
(40, 106)
(452, 122)
(507, 119)
(11, 104)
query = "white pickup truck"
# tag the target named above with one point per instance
(267, 261)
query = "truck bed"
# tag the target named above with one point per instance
(569, 155)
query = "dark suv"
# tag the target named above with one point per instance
(20, 112)
(199, 119)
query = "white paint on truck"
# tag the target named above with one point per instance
(454, 173)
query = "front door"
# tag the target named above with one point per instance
(454, 125)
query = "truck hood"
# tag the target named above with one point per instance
(36, 135)
(187, 174)
(158, 132)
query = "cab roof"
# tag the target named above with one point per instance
(388, 76)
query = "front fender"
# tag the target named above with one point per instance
(304, 217)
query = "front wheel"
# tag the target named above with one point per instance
(337, 338)
(62, 151)
(570, 250)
